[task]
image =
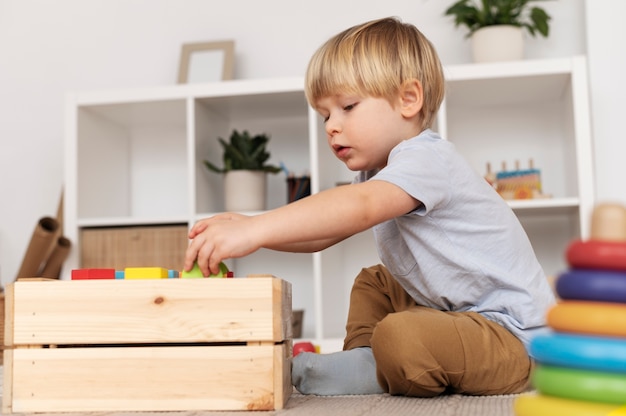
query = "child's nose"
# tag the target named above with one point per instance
(332, 126)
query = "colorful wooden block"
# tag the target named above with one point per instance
(196, 273)
(147, 345)
(88, 274)
(145, 273)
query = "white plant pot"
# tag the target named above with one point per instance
(498, 43)
(245, 190)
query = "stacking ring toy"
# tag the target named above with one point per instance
(594, 285)
(580, 351)
(595, 318)
(570, 383)
(539, 405)
(597, 254)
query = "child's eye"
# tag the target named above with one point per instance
(349, 107)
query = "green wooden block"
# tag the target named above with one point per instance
(196, 273)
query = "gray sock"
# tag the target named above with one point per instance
(345, 372)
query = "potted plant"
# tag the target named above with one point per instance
(496, 26)
(245, 171)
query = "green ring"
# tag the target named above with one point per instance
(577, 384)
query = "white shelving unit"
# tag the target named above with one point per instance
(134, 157)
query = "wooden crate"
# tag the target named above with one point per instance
(148, 345)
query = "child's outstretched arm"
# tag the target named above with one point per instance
(307, 225)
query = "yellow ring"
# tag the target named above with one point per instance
(540, 405)
(597, 318)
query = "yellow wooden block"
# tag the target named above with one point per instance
(148, 345)
(145, 273)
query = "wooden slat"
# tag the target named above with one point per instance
(2, 316)
(7, 383)
(282, 310)
(149, 378)
(150, 311)
(282, 373)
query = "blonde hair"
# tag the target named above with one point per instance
(375, 59)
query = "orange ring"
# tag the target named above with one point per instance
(597, 254)
(597, 318)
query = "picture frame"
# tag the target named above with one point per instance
(206, 62)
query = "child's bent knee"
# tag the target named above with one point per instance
(389, 335)
(396, 358)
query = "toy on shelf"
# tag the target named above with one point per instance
(517, 183)
(581, 361)
(131, 273)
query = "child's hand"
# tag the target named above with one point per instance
(218, 238)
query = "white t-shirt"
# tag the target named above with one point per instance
(463, 249)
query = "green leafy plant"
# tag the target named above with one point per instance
(244, 152)
(476, 14)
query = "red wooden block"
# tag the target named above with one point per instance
(90, 274)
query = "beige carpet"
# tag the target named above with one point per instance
(374, 405)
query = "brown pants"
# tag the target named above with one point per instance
(424, 352)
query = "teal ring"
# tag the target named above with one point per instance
(580, 351)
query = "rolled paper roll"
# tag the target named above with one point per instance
(585, 352)
(541, 405)
(41, 242)
(608, 223)
(593, 285)
(584, 317)
(568, 383)
(52, 266)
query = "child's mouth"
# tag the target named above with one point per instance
(341, 151)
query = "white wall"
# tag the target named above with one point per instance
(50, 47)
(607, 66)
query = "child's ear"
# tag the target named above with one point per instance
(411, 98)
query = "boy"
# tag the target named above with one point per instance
(460, 291)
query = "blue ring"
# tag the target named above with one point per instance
(579, 351)
(593, 285)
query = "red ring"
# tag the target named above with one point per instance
(597, 254)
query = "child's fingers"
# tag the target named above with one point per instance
(190, 258)
(192, 255)
(207, 265)
(197, 229)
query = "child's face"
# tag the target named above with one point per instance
(361, 131)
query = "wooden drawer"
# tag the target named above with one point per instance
(122, 247)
